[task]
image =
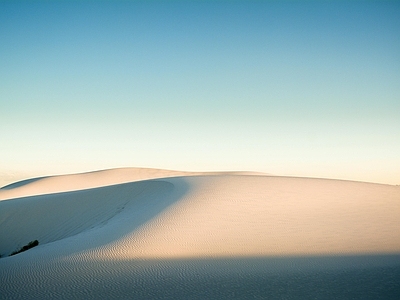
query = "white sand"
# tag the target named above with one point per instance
(89, 224)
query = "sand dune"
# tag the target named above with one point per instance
(74, 182)
(144, 233)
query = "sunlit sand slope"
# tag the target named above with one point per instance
(143, 239)
(255, 215)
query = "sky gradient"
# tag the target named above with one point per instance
(298, 88)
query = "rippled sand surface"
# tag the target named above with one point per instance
(145, 234)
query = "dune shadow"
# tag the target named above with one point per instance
(324, 277)
(327, 277)
(55, 217)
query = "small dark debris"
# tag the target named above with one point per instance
(26, 247)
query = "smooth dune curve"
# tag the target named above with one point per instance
(73, 182)
(209, 236)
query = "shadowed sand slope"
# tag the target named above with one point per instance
(53, 217)
(219, 236)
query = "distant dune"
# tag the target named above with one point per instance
(148, 233)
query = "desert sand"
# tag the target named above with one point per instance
(139, 233)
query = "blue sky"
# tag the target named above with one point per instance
(301, 88)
